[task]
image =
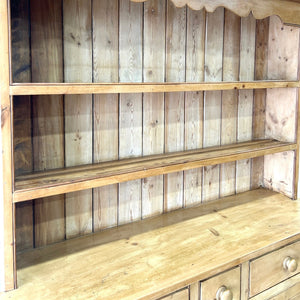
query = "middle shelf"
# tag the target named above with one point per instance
(65, 180)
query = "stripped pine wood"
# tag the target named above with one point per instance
(181, 295)
(245, 101)
(194, 291)
(7, 228)
(78, 109)
(20, 53)
(174, 102)
(115, 88)
(130, 111)
(90, 176)
(288, 11)
(212, 100)
(48, 147)
(282, 54)
(127, 269)
(193, 125)
(281, 123)
(106, 106)
(153, 104)
(259, 101)
(232, 31)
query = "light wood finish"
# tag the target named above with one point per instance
(48, 147)
(231, 64)
(153, 103)
(89, 176)
(181, 295)
(155, 257)
(7, 209)
(245, 101)
(230, 280)
(130, 106)
(282, 290)
(245, 280)
(269, 270)
(289, 11)
(212, 100)
(194, 291)
(78, 110)
(106, 107)
(115, 88)
(193, 110)
(174, 102)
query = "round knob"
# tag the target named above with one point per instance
(290, 264)
(224, 293)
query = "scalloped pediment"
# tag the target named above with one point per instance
(288, 11)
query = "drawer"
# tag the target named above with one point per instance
(229, 282)
(180, 295)
(270, 269)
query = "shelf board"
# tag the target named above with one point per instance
(59, 181)
(154, 257)
(103, 88)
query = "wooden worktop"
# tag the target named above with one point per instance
(160, 255)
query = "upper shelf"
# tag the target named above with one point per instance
(98, 88)
(288, 11)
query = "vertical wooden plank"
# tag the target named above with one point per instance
(245, 269)
(283, 61)
(153, 103)
(130, 111)
(7, 275)
(245, 105)
(78, 109)
(230, 98)
(212, 100)
(195, 291)
(259, 104)
(174, 102)
(106, 107)
(20, 33)
(194, 101)
(48, 148)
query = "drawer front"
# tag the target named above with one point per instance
(180, 295)
(230, 281)
(273, 268)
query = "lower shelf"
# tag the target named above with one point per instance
(154, 257)
(49, 183)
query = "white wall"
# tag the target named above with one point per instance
(1, 220)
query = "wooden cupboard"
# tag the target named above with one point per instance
(137, 119)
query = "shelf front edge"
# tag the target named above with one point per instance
(115, 88)
(66, 187)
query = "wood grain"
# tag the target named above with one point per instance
(193, 124)
(78, 110)
(48, 147)
(245, 102)
(22, 137)
(106, 106)
(212, 100)
(289, 11)
(230, 279)
(106, 173)
(153, 104)
(7, 254)
(174, 102)
(259, 101)
(155, 257)
(130, 110)
(231, 61)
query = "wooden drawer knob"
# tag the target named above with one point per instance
(224, 293)
(290, 264)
